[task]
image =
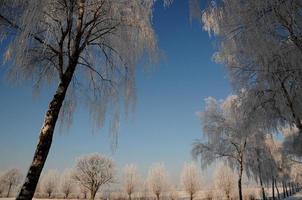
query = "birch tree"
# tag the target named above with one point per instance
(157, 179)
(191, 179)
(260, 44)
(94, 171)
(260, 162)
(130, 179)
(88, 48)
(227, 131)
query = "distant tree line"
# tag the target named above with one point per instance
(95, 176)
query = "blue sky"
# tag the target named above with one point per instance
(164, 124)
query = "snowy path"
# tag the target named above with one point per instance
(297, 196)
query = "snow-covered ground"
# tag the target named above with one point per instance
(297, 196)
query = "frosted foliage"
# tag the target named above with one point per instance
(191, 178)
(157, 179)
(173, 193)
(226, 130)
(292, 142)
(12, 177)
(296, 173)
(9, 181)
(50, 182)
(93, 171)
(225, 181)
(130, 179)
(67, 184)
(144, 189)
(260, 43)
(43, 39)
(284, 164)
(261, 162)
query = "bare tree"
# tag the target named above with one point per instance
(225, 181)
(88, 48)
(50, 182)
(67, 184)
(191, 179)
(11, 179)
(93, 171)
(130, 179)
(157, 179)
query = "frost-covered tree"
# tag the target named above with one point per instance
(2, 188)
(260, 43)
(225, 181)
(173, 193)
(260, 161)
(157, 179)
(296, 176)
(88, 48)
(144, 190)
(93, 171)
(50, 182)
(191, 179)
(67, 183)
(284, 165)
(276, 151)
(130, 179)
(10, 180)
(84, 191)
(227, 130)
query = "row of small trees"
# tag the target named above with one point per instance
(260, 45)
(94, 172)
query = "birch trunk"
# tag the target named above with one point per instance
(45, 137)
(239, 181)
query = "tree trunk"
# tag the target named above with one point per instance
(284, 193)
(129, 196)
(8, 191)
(157, 196)
(191, 196)
(93, 194)
(287, 194)
(239, 181)
(45, 138)
(228, 196)
(262, 189)
(276, 185)
(260, 177)
(273, 189)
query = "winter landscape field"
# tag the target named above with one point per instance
(151, 99)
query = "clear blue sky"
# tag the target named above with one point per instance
(164, 124)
